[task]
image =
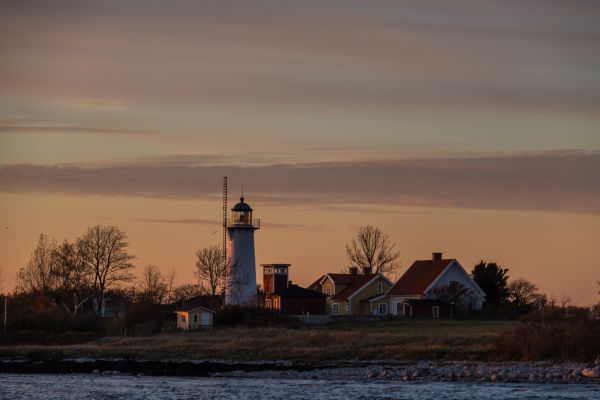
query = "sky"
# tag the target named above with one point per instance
(468, 127)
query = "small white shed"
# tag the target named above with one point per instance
(195, 318)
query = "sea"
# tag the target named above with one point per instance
(95, 386)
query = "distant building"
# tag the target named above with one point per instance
(197, 312)
(287, 298)
(419, 291)
(349, 294)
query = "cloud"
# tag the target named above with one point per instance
(553, 181)
(15, 125)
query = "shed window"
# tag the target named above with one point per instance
(435, 312)
(195, 317)
(335, 309)
(383, 309)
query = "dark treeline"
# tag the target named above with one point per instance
(76, 290)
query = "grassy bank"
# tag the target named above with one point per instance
(414, 340)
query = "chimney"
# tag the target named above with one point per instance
(437, 257)
(353, 270)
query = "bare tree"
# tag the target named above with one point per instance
(455, 293)
(371, 251)
(74, 278)
(39, 275)
(154, 285)
(105, 251)
(187, 291)
(524, 295)
(170, 281)
(211, 270)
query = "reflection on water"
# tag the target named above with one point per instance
(15, 386)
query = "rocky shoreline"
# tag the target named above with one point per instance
(421, 372)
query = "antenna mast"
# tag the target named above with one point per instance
(225, 218)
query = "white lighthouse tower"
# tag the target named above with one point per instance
(241, 280)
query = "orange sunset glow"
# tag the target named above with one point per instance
(466, 128)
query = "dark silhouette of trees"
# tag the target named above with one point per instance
(524, 296)
(73, 278)
(187, 291)
(39, 275)
(211, 269)
(493, 280)
(154, 286)
(371, 251)
(105, 251)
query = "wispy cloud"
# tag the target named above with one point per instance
(555, 181)
(15, 125)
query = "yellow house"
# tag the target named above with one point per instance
(349, 294)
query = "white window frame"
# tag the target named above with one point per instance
(435, 311)
(384, 306)
(347, 309)
(335, 309)
(380, 287)
(328, 290)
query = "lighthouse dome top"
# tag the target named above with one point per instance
(241, 206)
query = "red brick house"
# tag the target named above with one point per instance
(287, 298)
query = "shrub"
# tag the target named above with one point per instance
(251, 317)
(555, 333)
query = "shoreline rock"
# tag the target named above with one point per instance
(406, 372)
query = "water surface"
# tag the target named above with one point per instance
(89, 386)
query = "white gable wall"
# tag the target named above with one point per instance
(454, 272)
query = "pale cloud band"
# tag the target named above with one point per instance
(554, 181)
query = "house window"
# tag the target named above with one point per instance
(195, 317)
(380, 287)
(382, 309)
(182, 317)
(435, 312)
(268, 303)
(335, 309)
(276, 303)
(328, 290)
(347, 309)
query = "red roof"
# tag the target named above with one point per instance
(354, 281)
(418, 277)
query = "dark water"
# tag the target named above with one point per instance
(15, 386)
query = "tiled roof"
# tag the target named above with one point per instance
(418, 277)
(316, 285)
(355, 282)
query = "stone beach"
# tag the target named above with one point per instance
(519, 372)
